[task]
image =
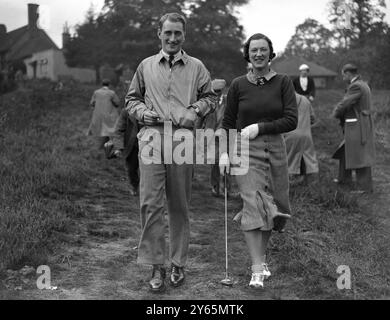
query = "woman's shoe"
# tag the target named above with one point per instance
(257, 280)
(266, 271)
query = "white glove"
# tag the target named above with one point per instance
(251, 131)
(224, 163)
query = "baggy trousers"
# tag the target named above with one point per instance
(132, 167)
(156, 181)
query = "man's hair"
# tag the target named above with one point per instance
(258, 36)
(173, 17)
(350, 67)
(106, 82)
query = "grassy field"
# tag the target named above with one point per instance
(64, 206)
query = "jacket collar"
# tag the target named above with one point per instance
(181, 55)
(355, 79)
(252, 78)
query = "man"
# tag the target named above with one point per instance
(356, 151)
(174, 88)
(304, 84)
(302, 159)
(105, 103)
(125, 144)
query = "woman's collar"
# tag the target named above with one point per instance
(253, 78)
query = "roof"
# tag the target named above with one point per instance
(23, 42)
(290, 66)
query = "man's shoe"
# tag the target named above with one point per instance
(257, 281)
(157, 283)
(177, 276)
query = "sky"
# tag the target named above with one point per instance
(276, 18)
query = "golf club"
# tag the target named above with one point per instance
(227, 281)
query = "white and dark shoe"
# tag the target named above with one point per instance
(266, 271)
(257, 280)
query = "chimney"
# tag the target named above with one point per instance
(3, 30)
(65, 35)
(33, 15)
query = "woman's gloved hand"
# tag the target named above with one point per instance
(224, 163)
(250, 132)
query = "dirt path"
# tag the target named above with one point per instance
(98, 257)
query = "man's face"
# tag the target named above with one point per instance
(304, 73)
(172, 37)
(346, 76)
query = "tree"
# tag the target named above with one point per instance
(91, 44)
(310, 40)
(130, 33)
(216, 37)
(355, 20)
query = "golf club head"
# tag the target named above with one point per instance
(227, 282)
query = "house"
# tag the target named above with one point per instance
(323, 77)
(32, 51)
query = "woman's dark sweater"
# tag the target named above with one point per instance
(272, 106)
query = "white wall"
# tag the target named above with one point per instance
(51, 65)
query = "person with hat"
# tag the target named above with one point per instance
(105, 104)
(304, 84)
(357, 150)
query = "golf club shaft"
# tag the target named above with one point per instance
(226, 227)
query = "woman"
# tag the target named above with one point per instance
(262, 105)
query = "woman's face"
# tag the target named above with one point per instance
(259, 53)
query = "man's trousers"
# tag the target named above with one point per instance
(174, 182)
(363, 175)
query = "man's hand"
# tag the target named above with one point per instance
(251, 131)
(311, 98)
(224, 164)
(150, 118)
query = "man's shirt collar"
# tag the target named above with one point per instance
(260, 80)
(181, 55)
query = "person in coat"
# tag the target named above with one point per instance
(304, 84)
(105, 105)
(357, 150)
(302, 159)
(125, 144)
(262, 106)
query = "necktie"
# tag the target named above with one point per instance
(171, 58)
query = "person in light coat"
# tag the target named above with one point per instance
(357, 150)
(105, 104)
(302, 159)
